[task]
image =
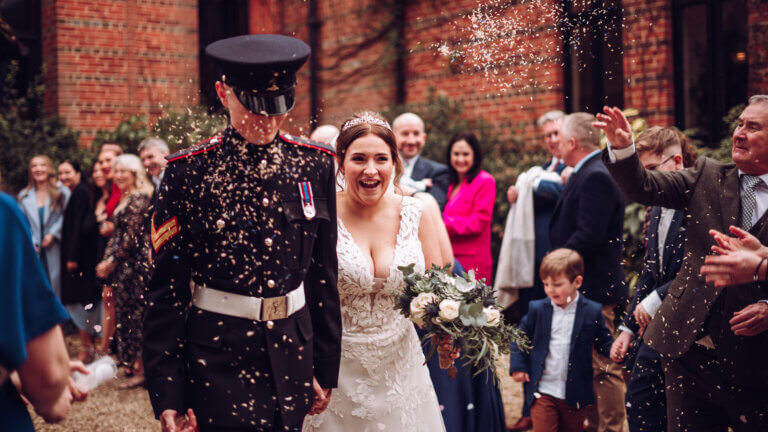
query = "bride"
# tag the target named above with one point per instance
(383, 383)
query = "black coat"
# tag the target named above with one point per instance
(228, 215)
(425, 168)
(78, 243)
(589, 218)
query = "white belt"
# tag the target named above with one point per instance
(253, 308)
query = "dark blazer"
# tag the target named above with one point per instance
(544, 201)
(79, 236)
(658, 271)
(589, 218)
(589, 331)
(709, 194)
(425, 168)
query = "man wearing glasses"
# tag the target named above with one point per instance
(662, 149)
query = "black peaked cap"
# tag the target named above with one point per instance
(261, 63)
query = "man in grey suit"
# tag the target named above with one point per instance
(420, 174)
(716, 377)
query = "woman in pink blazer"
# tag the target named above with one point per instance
(469, 210)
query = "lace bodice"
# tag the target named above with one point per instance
(368, 304)
(383, 382)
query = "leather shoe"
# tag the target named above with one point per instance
(521, 425)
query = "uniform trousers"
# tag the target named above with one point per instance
(700, 400)
(646, 398)
(608, 412)
(277, 426)
(551, 414)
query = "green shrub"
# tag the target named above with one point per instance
(26, 132)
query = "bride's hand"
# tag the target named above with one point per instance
(446, 352)
(322, 398)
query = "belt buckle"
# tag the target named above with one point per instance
(274, 308)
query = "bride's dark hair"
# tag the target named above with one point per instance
(362, 124)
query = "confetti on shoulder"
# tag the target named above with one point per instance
(323, 147)
(197, 149)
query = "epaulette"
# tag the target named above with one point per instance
(323, 147)
(200, 148)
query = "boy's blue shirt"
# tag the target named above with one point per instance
(589, 331)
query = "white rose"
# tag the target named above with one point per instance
(418, 304)
(449, 310)
(493, 316)
(463, 286)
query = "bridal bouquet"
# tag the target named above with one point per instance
(462, 308)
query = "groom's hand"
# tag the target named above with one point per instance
(322, 398)
(170, 421)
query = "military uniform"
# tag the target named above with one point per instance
(244, 235)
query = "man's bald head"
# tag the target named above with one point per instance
(409, 132)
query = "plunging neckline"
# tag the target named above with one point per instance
(369, 259)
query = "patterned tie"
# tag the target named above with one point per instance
(748, 201)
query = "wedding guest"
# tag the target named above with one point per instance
(325, 134)
(589, 218)
(80, 292)
(467, 216)
(108, 196)
(563, 328)
(469, 209)
(421, 174)
(32, 345)
(43, 202)
(662, 149)
(715, 376)
(126, 261)
(152, 151)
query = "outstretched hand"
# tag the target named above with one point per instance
(750, 321)
(616, 127)
(171, 421)
(742, 241)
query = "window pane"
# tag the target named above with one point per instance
(734, 40)
(694, 65)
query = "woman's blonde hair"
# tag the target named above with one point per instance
(132, 162)
(55, 195)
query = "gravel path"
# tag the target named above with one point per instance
(110, 409)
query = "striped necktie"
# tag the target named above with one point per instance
(748, 200)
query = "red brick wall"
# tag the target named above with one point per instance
(348, 22)
(648, 60)
(757, 47)
(109, 59)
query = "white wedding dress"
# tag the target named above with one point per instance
(383, 382)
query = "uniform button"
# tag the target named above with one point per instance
(268, 242)
(265, 201)
(270, 324)
(271, 283)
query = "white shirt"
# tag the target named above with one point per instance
(408, 165)
(556, 364)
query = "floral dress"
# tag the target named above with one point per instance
(128, 248)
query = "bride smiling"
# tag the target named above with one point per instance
(383, 383)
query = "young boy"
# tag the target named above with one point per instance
(563, 328)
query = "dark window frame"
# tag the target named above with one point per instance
(29, 51)
(235, 17)
(597, 99)
(715, 63)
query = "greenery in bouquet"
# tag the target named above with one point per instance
(464, 309)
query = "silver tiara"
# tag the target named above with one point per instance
(365, 118)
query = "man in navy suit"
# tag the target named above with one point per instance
(563, 328)
(589, 218)
(659, 149)
(545, 195)
(420, 174)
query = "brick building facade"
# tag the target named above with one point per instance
(682, 62)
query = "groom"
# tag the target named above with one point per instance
(247, 220)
